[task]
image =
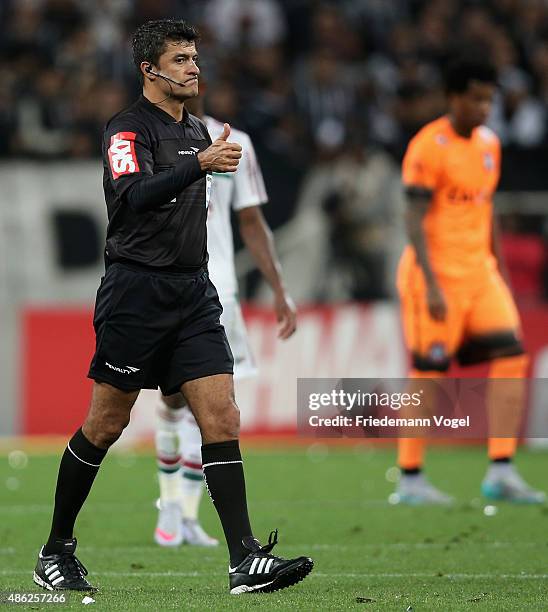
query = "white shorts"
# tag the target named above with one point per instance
(233, 322)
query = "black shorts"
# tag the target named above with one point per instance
(157, 329)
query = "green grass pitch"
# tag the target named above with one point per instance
(329, 503)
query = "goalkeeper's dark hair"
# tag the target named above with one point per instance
(462, 71)
(150, 38)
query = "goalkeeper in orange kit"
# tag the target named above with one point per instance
(454, 296)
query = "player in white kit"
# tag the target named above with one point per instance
(178, 439)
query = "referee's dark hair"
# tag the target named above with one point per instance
(149, 40)
(461, 71)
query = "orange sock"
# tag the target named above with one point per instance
(505, 404)
(411, 451)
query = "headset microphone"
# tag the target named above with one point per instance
(163, 76)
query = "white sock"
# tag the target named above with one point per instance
(500, 470)
(168, 457)
(192, 476)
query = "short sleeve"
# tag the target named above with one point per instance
(422, 164)
(127, 153)
(249, 188)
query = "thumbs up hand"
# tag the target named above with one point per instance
(221, 156)
(226, 133)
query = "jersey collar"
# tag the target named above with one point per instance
(455, 134)
(161, 114)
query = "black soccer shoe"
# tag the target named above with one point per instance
(261, 572)
(61, 572)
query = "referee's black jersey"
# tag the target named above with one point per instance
(167, 232)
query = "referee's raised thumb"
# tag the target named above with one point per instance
(226, 132)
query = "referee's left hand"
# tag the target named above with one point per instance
(286, 314)
(221, 156)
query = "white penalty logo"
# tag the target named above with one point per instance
(192, 152)
(123, 370)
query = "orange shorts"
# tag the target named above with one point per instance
(482, 320)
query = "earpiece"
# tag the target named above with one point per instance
(149, 70)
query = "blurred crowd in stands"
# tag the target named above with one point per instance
(345, 83)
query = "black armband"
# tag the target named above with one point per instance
(414, 192)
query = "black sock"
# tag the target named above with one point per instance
(224, 476)
(411, 471)
(79, 466)
(502, 460)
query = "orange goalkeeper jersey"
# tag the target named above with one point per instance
(462, 174)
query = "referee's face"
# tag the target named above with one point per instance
(179, 62)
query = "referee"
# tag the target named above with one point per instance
(157, 313)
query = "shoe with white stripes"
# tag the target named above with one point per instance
(261, 572)
(62, 571)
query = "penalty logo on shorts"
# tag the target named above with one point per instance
(122, 369)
